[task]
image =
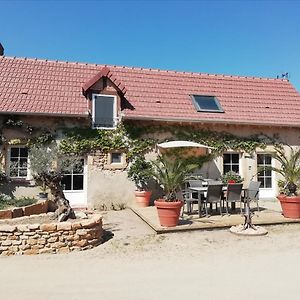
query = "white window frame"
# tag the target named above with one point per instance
(72, 174)
(272, 172)
(239, 154)
(28, 176)
(114, 111)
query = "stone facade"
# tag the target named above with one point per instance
(51, 237)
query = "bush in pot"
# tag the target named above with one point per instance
(290, 171)
(139, 173)
(170, 174)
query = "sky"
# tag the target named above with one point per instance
(249, 38)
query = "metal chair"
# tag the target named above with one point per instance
(214, 195)
(253, 192)
(189, 200)
(234, 194)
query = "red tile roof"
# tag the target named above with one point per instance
(54, 87)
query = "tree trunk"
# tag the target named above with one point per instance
(53, 182)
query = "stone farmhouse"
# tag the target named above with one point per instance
(53, 95)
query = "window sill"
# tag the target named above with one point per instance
(120, 166)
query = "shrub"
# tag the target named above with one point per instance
(24, 201)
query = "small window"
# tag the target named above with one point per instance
(206, 103)
(18, 162)
(116, 158)
(231, 162)
(104, 111)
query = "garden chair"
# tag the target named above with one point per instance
(253, 192)
(234, 194)
(188, 201)
(214, 195)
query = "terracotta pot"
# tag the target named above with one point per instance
(290, 206)
(168, 212)
(142, 198)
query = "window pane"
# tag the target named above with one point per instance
(261, 179)
(104, 111)
(268, 173)
(66, 182)
(14, 152)
(260, 159)
(116, 157)
(78, 182)
(22, 172)
(209, 103)
(226, 158)
(235, 158)
(235, 168)
(226, 169)
(268, 182)
(23, 152)
(268, 159)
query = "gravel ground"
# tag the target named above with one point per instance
(135, 263)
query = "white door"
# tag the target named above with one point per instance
(74, 184)
(266, 176)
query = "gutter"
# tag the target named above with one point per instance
(218, 121)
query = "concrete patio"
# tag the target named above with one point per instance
(270, 214)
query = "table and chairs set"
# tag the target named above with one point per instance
(223, 196)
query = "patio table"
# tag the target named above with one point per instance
(203, 189)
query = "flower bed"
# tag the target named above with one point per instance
(52, 237)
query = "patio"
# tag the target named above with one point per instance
(270, 214)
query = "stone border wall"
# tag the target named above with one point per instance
(51, 238)
(17, 212)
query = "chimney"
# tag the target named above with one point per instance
(1, 50)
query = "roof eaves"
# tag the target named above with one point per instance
(219, 121)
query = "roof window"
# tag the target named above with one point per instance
(206, 103)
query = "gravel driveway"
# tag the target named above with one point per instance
(135, 263)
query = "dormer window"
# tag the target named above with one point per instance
(104, 111)
(206, 103)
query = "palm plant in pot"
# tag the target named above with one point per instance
(290, 171)
(139, 173)
(170, 174)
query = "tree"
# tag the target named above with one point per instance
(47, 164)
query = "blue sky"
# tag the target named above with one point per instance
(253, 38)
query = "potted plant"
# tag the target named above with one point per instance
(139, 173)
(232, 177)
(170, 174)
(43, 194)
(290, 171)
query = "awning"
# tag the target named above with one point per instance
(179, 144)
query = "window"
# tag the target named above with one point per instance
(116, 158)
(206, 103)
(231, 162)
(264, 176)
(73, 177)
(18, 162)
(104, 111)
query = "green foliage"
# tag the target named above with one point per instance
(232, 177)
(24, 201)
(80, 141)
(289, 168)
(139, 171)
(5, 201)
(171, 174)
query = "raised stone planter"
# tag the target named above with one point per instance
(34, 209)
(51, 237)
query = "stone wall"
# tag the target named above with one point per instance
(51, 237)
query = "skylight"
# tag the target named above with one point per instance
(206, 103)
